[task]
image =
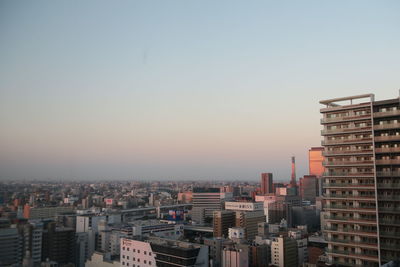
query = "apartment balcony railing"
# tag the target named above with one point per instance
(387, 126)
(389, 209)
(341, 218)
(344, 207)
(348, 184)
(388, 221)
(347, 241)
(387, 138)
(346, 130)
(327, 196)
(387, 161)
(340, 173)
(388, 185)
(350, 117)
(346, 141)
(348, 163)
(387, 173)
(389, 234)
(387, 150)
(386, 113)
(348, 230)
(347, 152)
(388, 198)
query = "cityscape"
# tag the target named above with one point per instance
(187, 134)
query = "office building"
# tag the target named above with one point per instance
(154, 251)
(362, 179)
(222, 221)
(267, 184)
(284, 252)
(216, 247)
(309, 188)
(248, 220)
(10, 247)
(315, 161)
(205, 202)
(45, 212)
(58, 244)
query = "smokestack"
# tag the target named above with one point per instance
(293, 178)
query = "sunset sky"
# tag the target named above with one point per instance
(182, 89)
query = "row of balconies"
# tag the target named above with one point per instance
(351, 129)
(391, 234)
(348, 117)
(387, 161)
(351, 162)
(354, 151)
(389, 209)
(387, 138)
(389, 198)
(344, 207)
(328, 196)
(346, 219)
(387, 150)
(388, 221)
(392, 125)
(351, 140)
(351, 230)
(350, 173)
(346, 241)
(348, 184)
(387, 173)
(386, 113)
(388, 186)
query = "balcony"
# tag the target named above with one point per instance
(388, 186)
(347, 141)
(350, 219)
(387, 126)
(387, 150)
(389, 209)
(346, 130)
(339, 173)
(388, 161)
(350, 117)
(387, 138)
(343, 207)
(331, 196)
(387, 113)
(358, 185)
(348, 230)
(388, 173)
(348, 163)
(392, 234)
(387, 221)
(388, 198)
(347, 152)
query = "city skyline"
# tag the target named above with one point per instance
(181, 91)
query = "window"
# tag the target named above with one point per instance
(145, 261)
(149, 253)
(134, 250)
(123, 263)
(123, 256)
(127, 249)
(127, 257)
(123, 248)
(149, 262)
(138, 251)
(144, 252)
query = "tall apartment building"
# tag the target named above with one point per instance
(10, 247)
(362, 180)
(267, 184)
(222, 221)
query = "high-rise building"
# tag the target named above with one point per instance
(267, 184)
(362, 179)
(315, 161)
(248, 220)
(58, 244)
(10, 247)
(222, 221)
(309, 188)
(235, 257)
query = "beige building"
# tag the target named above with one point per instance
(362, 180)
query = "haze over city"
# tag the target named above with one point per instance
(179, 89)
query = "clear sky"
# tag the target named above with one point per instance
(182, 89)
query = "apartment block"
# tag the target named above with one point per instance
(362, 179)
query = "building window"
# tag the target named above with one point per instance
(123, 263)
(134, 250)
(123, 256)
(145, 261)
(127, 257)
(127, 249)
(144, 252)
(149, 262)
(149, 253)
(138, 251)
(123, 248)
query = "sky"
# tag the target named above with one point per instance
(195, 90)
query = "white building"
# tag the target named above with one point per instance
(157, 228)
(236, 233)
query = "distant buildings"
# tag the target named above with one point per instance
(222, 221)
(309, 188)
(206, 201)
(315, 161)
(284, 252)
